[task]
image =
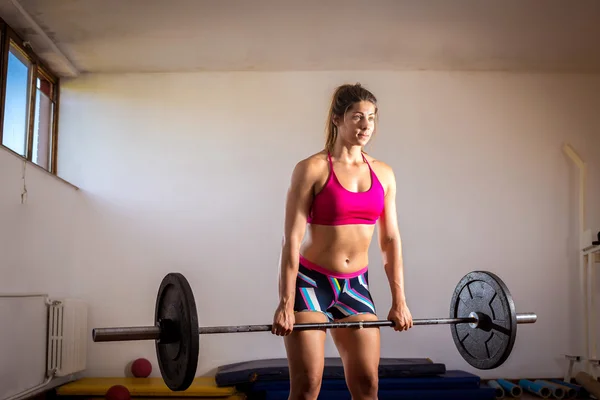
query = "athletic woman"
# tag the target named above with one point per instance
(337, 197)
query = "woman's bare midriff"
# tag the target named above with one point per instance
(341, 249)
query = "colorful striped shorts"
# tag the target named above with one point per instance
(335, 295)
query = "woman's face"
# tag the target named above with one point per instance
(357, 126)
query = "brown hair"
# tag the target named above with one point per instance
(343, 98)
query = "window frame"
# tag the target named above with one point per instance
(38, 69)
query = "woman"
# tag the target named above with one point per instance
(340, 194)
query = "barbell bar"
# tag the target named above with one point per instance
(482, 318)
(154, 332)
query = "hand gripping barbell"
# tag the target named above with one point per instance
(482, 319)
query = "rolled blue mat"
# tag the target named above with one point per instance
(569, 392)
(510, 388)
(557, 391)
(535, 388)
(580, 390)
(499, 389)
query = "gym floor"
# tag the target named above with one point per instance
(525, 396)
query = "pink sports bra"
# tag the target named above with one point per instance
(335, 205)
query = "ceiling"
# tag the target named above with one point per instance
(78, 36)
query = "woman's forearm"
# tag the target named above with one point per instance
(394, 270)
(288, 274)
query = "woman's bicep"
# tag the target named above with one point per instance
(298, 200)
(388, 224)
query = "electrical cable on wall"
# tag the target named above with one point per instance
(24, 191)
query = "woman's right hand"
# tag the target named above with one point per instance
(283, 321)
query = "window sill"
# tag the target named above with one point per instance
(37, 166)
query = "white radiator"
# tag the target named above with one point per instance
(67, 336)
(45, 341)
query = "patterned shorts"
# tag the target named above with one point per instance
(335, 295)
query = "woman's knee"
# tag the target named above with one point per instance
(306, 385)
(363, 384)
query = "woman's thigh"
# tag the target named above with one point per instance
(360, 351)
(306, 356)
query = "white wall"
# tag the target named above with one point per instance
(36, 250)
(188, 172)
(36, 229)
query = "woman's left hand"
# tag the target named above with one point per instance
(400, 315)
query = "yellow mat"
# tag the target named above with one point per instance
(149, 387)
(240, 396)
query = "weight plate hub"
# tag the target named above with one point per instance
(489, 344)
(178, 347)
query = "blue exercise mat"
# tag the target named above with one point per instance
(483, 393)
(450, 380)
(276, 369)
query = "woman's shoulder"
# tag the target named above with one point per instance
(312, 165)
(383, 170)
(315, 160)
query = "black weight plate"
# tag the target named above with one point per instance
(490, 344)
(177, 349)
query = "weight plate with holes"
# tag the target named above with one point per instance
(179, 343)
(489, 344)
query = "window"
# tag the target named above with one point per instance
(29, 102)
(16, 101)
(43, 123)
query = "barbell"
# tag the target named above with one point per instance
(482, 318)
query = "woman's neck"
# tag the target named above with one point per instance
(347, 154)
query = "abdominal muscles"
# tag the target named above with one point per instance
(342, 248)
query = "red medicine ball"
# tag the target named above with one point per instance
(141, 368)
(118, 392)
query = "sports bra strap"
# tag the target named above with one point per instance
(366, 161)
